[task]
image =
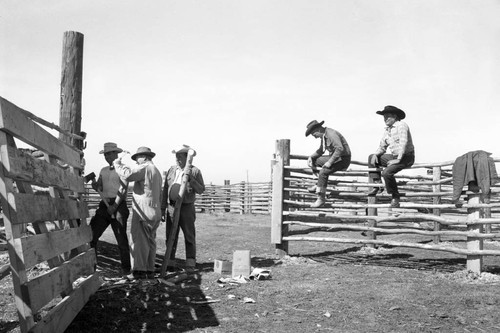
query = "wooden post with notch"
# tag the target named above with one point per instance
(278, 229)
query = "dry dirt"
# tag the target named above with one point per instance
(320, 287)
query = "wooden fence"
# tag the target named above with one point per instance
(427, 200)
(240, 198)
(45, 221)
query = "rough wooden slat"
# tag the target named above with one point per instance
(61, 316)
(48, 286)
(38, 172)
(39, 248)
(42, 207)
(15, 122)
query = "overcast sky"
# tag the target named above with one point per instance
(230, 77)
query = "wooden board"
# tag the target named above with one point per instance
(15, 122)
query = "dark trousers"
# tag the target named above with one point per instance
(389, 172)
(187, 217)
(343, 164)
(102, 220)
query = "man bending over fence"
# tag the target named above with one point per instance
(339, 157)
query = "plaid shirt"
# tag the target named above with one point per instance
(398, 139)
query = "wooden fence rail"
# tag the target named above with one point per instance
(240, 198)
(426, 208)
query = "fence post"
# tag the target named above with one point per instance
(474, 262)
(371, 212)
(436, 177)
(278, 229)
(227, 190)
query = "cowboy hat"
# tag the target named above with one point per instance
(109, 147)
(312, 126)
(143, 151)
(183, 150)
(392, 109)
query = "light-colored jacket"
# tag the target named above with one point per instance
(146, 198)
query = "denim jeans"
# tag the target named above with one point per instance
(389, 172)
(343, 164)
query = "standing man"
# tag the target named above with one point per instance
(146, 213)
(338, 158)
(187, 214)
(396, 138)
(113, 206)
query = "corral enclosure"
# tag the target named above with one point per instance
(427, 208)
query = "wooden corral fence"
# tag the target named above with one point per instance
(45, 223)
(426, 208)
(240, 198)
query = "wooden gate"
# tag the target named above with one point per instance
(42, 193)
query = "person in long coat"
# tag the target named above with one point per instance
(146, 210)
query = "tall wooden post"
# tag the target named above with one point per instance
(278, 229)
(227, 190)
(436, 177)
(70, 113)
(474, 262)
(371, 211)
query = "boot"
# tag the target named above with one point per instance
(375, 190)
(321, 199)
(394, 203)
(312, 189)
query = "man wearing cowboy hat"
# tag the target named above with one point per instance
(187, 215)
(338, 158)
(114, 211)
(146, 213)
(397, 139)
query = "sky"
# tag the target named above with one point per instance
(230, 77)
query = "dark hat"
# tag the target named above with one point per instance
(110, 146)
(392, 109)
(143, 151)
(313, 125)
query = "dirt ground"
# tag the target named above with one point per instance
(320, 287)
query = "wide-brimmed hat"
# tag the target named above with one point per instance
(313, 125)
(183, 150)
(110, 146)
(143, 151)
(392, 109)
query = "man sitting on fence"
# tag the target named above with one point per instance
(187, 214)
(396, 138)
(339, 157)
(113, 206)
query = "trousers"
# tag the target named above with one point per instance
(389, 172)
(100, 222)
(187, 218)
(324, 173)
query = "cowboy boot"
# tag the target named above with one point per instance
(376, 190)
(321, 200)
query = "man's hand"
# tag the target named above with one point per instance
(163, 216)
(310, 162)
(374, 160)
(391, 162)
(327, 165)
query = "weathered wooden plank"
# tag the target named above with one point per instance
(42, 207)
(14, 121)
(39, 248)
(24, 167)
(48, 286)
(61, 316)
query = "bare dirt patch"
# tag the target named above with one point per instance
(320, 287)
